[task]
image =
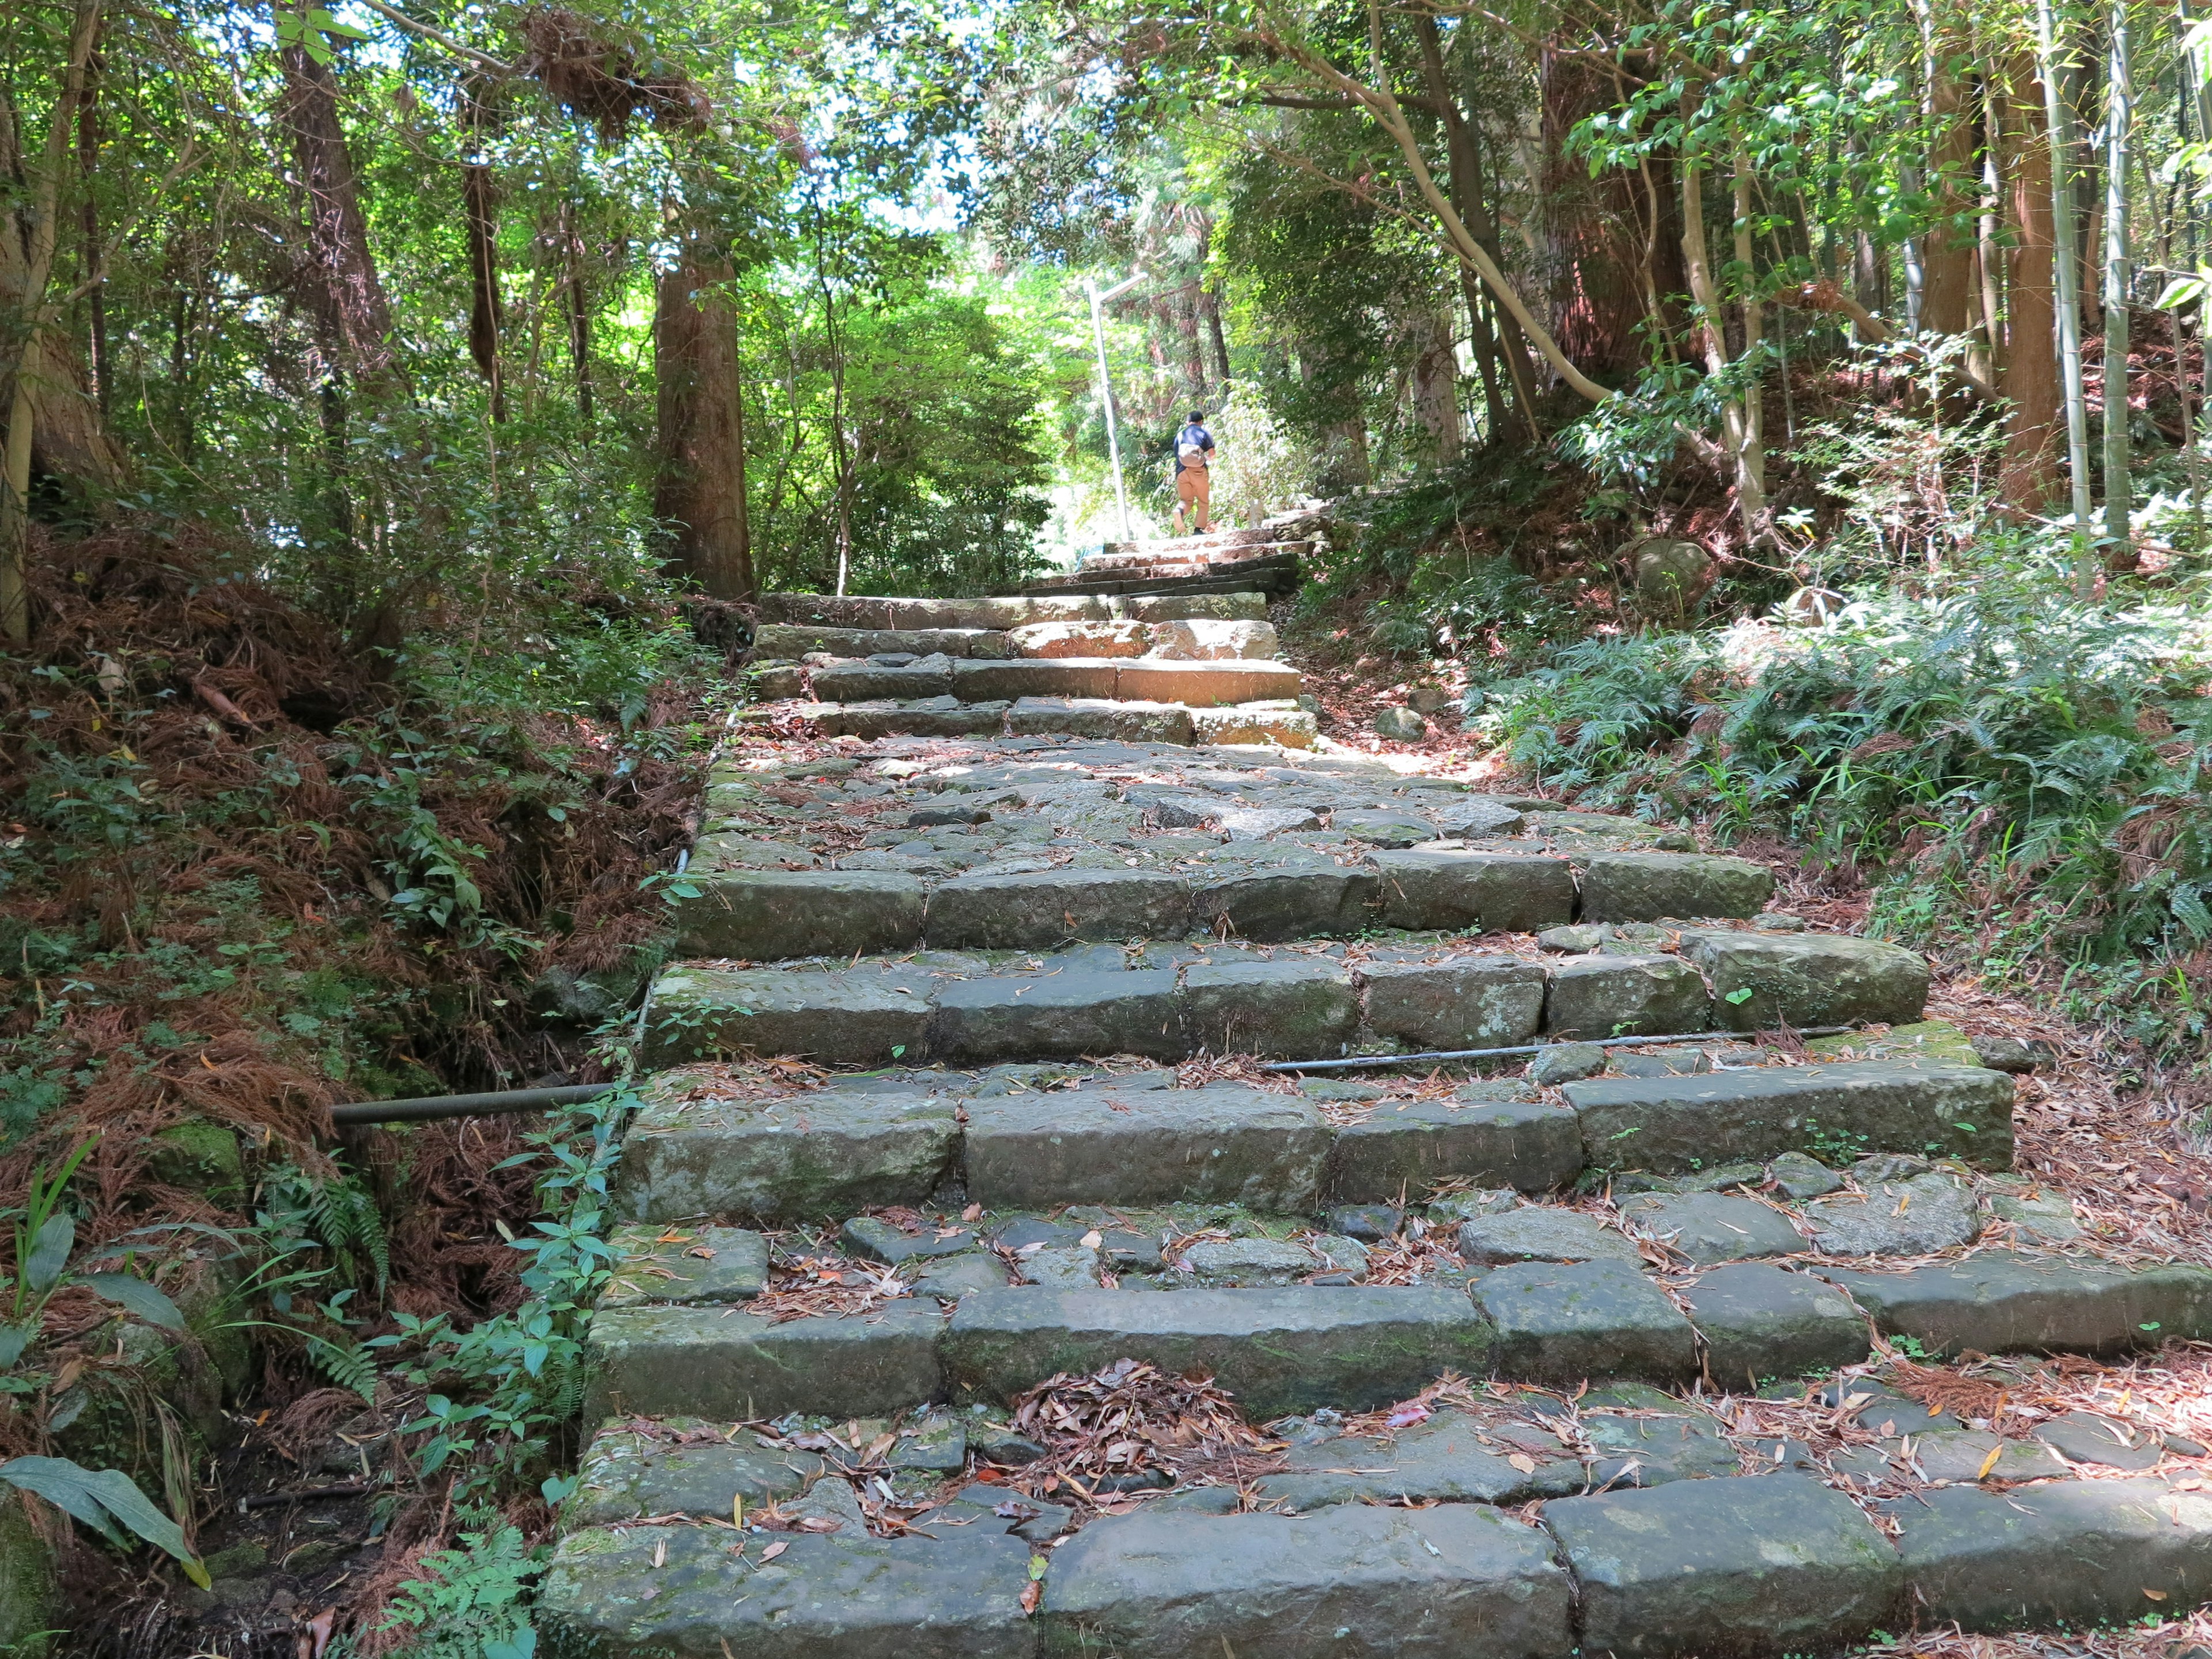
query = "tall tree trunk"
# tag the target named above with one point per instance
(1751, 460)
(2029, 478)
(1209, 304)
(92, 253)
(577, 308)
(1435, 386)
(477, 209)
(700, 450)
(26, 273)
(1750, 480)
(1463, 157)
(1948, 251)
(2120, 120)
(1605, 263)
(339, 281)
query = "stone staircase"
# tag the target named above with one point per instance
(1266, 561)
(1519, 1361)
(1177, 668)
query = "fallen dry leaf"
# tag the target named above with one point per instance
(775, 1549)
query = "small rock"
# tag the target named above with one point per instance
(994, 1443)
(950, 1279)
(1248, 1263)
(1801, 1176)
(1400, 726)
(1576, 940)
(2085, 1438)
(2047, 1219)
(1025, 1230)
(1773, 921)
(1894, 1166)
(1917, 1216)
(1884, 1410)
(1061, 1268)
(1371, 1222)
(2002, 1053)
(1725, 1177)
(1565, 1062)
(1676, 1062)
(938, 1444)
(932, 817)
(1469, 1207)
(1348, 1256)
(1428, 699)
(879, 1241)
(1538, 1234)
(893, 659)
(832, 1499)
(237, 1560)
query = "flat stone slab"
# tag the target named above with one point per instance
(1222, 1143)
(1407, 1147)
(1439, 1461)
(1062, 1016)
(1711, 1227)
(1809, 979)
(2078, 1552)
(1246, 1263)
(1761, 1323)
(1249, 723)
(1604, 996)
(728, 1365)
(792, 1159)
(1475, 892)
(1055, 676)
(1917, 1216)
(1649, 1451)
(1350, 1347)
(2085, 1438)
(1469, 1003)
(1267, 905)
(1645, 886)
(955, 1597)
(773, 639)
(699, 1011)
(1753, 1565)
(1999, 1302)
(1681, 1124)
(686, 1265)
(1455, 1582)
(1205, 684)
(756, 914)
(1101, 717)
(1539, 1234)
(1565, 1322)
(1293, 1010)
(1042, 908)
(687, 1470)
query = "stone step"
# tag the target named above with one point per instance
(1171, 638)
(1274, 574)
(699, 1148)
(949, 1003)
(1737, 1563)
(1251, 891)
(1199, 684)
(1277, 723)
(906, 616)
(1280, 1349)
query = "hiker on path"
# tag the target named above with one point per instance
(1193, 479)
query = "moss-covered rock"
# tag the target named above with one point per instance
(30, 1602)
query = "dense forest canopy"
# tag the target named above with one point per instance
(422, 303)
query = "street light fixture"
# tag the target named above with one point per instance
(1106, 384)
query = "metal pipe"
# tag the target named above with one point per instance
(1522, 1049)
(491, 1104)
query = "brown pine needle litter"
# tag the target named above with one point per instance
(1106, 1432)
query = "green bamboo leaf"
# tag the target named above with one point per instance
(91, 1496)
(50, 1255)
(134, 1296)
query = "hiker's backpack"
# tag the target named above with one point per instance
(1190, 449)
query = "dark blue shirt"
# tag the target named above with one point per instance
(1192, 434)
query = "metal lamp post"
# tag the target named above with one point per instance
(1106, 385)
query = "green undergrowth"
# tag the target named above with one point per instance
(2019, 778)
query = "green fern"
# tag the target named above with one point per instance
(347, 1220)
(349, 1364)
(468, 1603)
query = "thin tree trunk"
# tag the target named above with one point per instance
(1209, 305)
(477, 210)
(2058, 120)
(37, 248)
(1752, 459)
(1435, 386)
(701, 454)
(576, 307)
(92, 253)
(1947, 256)
(2028, 477)
(342, 287)
(2120, 119)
